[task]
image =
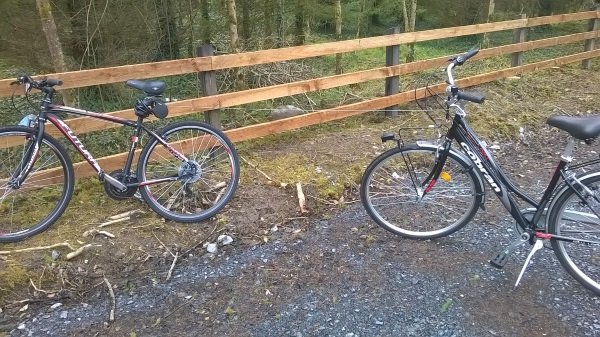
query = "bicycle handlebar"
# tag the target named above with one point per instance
(25, 79)
(453, 89)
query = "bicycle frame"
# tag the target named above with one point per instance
(500, 183)
(49, 112)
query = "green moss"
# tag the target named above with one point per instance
(12, 276)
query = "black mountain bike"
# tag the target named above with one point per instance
(429, 190)
(186, 172)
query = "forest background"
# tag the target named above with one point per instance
(45, 36)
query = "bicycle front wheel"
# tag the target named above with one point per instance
(391, 192)
(572, 218)
(30, 207)
(189, 191)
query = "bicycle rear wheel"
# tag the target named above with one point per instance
(199, 188)
(33, 206)
(570, 217)
(390, 193)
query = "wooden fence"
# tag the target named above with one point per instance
(78, 79)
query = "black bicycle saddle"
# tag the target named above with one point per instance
(583, 128)
(153, 88)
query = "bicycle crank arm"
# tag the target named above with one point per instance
(499, 261)
(114, 182)
(539, 244)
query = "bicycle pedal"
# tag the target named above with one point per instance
(500, 260)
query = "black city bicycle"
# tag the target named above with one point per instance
(186, 172)
(430, 189)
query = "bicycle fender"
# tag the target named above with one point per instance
(466, 161)
(563, 188)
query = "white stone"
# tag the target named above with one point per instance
(56, 305)
(211, 248)
(225, 240)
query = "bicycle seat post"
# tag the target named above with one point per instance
(567, 154)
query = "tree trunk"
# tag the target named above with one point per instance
(268, 11)
(490, 14)
(300, 8)
(169, 39)
(361, 17)
(54, 46)
(205, 28)
(338, 35)
(246, 27)
(281, 23)
(234, 41)
(409, 15)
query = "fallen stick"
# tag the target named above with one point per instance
(170, 273)
(32, 249)
(78, 252)
(126, 214)
(301, 198)
(256, 168)
(94, 232)
(111, 316)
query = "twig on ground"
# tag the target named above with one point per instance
(41, 290)
(111, 292)
(323, 201)
(78, 252)
(168, 250)
(112, 222)
(170, 273)
(179, 307)
(32, 249)
(301, 198)
(94, 232)
(257, 169)
(126, 214)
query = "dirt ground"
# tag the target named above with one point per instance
(284, 261)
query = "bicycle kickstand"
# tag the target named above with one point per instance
(539, 244)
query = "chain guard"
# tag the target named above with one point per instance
(114, 193)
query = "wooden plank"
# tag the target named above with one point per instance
(264, 129)
(84, 125)
(177, 67)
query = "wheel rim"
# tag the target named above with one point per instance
(577, 221)
(36, 201)
(393, 199)
(203, 183)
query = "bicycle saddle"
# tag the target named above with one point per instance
(582, 128)
(153, 88)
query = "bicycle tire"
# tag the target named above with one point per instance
(17, 205)
(570, 217)
(398, 212)
(216, 167)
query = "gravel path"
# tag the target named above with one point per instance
(345, 277)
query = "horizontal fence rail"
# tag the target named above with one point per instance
(84, 78)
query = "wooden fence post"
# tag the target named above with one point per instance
(392, 84)
(208, 84)
(519, 36)
(590, 44)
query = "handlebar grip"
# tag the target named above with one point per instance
(474, 97)
(461, 59)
